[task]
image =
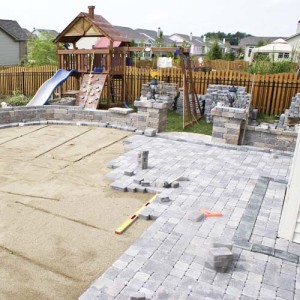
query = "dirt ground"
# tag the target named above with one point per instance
(57, 212)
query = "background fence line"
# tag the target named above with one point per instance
(271, 94)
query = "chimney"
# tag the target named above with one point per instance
(91, 11)
(224, 40)
(158, 32)
(204, 39)
(191, 36)
(298, 27)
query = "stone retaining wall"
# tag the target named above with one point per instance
(229, 124)
(150, 114)
(219, 94)
(271, 138)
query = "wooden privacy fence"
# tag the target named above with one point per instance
(271, 94)
(27, 80)
(220, 64)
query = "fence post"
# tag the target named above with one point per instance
(23, 83)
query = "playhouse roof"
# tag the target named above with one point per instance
(89, 25)
(104, 43)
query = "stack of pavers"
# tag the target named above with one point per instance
(165, 92)
(136, 181)
(293, 113)
(220, 257)
(219, 94)
(145, 91)
(143, 159)
(179, 109)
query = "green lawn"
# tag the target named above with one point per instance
(174, 123)
(262, 118)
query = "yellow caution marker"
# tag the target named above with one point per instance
(134, 217)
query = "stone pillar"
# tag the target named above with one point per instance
(151, 114)
(227, 124)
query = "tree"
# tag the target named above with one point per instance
(185, 44)
(229, 56)
(42, 51)
(233, 39)
(160, 41)
(215, 52)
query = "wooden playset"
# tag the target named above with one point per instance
(101, 68)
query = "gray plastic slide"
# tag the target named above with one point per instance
(45, 91)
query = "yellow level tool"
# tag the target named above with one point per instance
(134, 217)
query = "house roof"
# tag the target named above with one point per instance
(129, 33)
(292, 36)
(13, 29)
(254, 40)
(101, 28)
(152, 34)
(27, 32)
(196, 40)
(51, 32)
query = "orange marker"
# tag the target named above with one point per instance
(208, 213)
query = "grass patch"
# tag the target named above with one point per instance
(174, 123)
(17, 99)
(262, 118)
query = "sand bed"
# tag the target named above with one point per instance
(57, 212)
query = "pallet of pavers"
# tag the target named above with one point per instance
(91, 90)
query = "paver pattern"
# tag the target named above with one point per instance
(169, 261)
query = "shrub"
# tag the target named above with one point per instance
(268, 67)
(215, 52)
(17, 99)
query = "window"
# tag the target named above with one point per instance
(147, 54)
(283, 55)
(249, 51)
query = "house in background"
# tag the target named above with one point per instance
(13, 41)
(138, 39)
(198, 46)
(155, 36)
(250, 42)
(40, 32)
(278, 50)
(146, 38)
(294, 40)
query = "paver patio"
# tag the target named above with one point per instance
(169, 261)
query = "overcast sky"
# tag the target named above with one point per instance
(255, 17)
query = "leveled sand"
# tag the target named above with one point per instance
(57, 212)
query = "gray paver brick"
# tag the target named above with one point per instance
(234, 292)
(91, 293)
(169, 259)
(287, 295)
(138, 296)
